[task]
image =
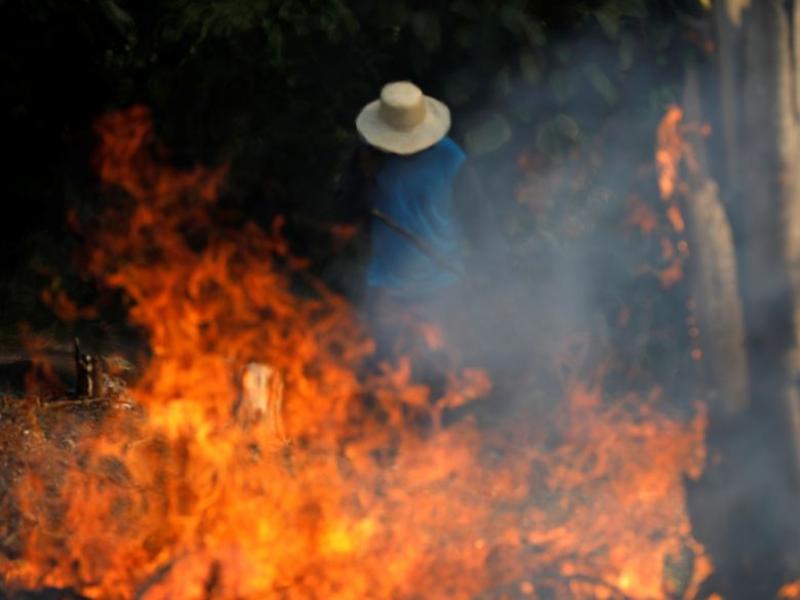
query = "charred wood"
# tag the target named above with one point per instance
(89, 374)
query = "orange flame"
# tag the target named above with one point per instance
(671, 150)
(790, 591)
(374, 497)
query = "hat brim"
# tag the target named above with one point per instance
(380, 134)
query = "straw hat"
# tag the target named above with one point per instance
(403, 120)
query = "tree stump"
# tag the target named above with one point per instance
(261, 399)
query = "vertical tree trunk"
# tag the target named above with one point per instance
(713, 276)
(761, 126)
(745, 511)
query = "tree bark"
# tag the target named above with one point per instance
(744, 510)
(761, 127)
(713, 275)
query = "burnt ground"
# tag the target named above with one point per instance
(33, 429)
(45, 594)
(41, 426)
(41, 435)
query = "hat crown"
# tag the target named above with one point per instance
(402, 105)
(403, 120)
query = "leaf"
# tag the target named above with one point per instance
(662, 36)
(557, 134)
(467, 36)
(425, 25)
(488, 135)
(275, 43)
(627, 47)
(522, 108)
(563, 84)
(120, 19)
(567, 126)
(420, 60)
(609, 22)
(631, 8)
(522, 25)
(464, 8)
(343, 16)
(529, 67)
(534, 32)
(611, 14)
(460, 86)
(393, 14)
(601, 83)
(502, 82)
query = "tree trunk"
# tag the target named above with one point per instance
(744, 510)
(761, 127)
(713, 276)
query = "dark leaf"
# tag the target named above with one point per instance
(627, 48)
(460, 86)
(489, 134)
(609, 21)
(425, 25)
(601, 83)
(530, 67)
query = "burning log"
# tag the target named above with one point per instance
(261, 399)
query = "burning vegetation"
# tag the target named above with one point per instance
(609, 408)
(351, 479)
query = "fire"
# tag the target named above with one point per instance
(641, 217)
(371, 495)
(671, 150)
(790, 591)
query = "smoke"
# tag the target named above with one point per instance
(564, 283)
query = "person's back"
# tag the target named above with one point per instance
(414, 235)
(406, 182)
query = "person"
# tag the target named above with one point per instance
(402, 178)
(433, 237)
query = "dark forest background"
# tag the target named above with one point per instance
(272, 88)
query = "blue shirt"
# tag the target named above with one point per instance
(416, 192)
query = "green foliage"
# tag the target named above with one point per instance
(270, 73)
(557, 134)
(611, 15)
(488, 134)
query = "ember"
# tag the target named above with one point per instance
(358, 500)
